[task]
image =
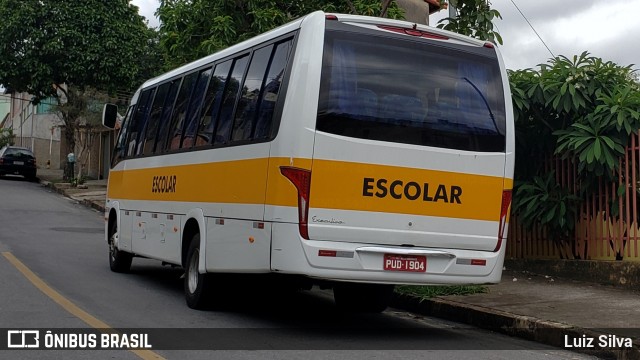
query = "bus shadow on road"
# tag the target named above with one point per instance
(262, 296)
(301, 319)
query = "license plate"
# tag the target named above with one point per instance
(18, 163)
(411, 263)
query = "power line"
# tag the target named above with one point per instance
(532, 28)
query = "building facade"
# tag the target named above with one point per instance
(418, 11)
(40, 128)
(35, 127)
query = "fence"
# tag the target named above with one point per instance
(606, 229)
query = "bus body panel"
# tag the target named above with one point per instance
(361, 262)
(156, 236)
(434, 199)
(238, 246)
(293, 144)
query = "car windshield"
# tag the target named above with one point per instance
(16, 152)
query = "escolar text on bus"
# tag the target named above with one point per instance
(411, 190)
(164, 184)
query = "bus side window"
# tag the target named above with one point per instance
(193, 114)
(145, 123)
(180, 112)
(138, 121)
(230, 97)
(270, 90)
(212, 103)
(165, 117)
(154, 117)
(253, 82)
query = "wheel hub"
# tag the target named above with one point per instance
(113, 244)
(192, 272)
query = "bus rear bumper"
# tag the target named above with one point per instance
(361, 262)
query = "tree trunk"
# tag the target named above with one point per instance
(385, 6)
(69, 135)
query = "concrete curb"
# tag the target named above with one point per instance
(52, 186)
(88, 203)
(526, 327)
(93, 205)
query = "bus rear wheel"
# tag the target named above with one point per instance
(364, 298)
(119, 261)
(196, 285)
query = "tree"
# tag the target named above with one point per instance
(50, 46)
(151, 61)
(85, 105)
(6, 137)
(191, 29)
(580, 108)
(473, 18)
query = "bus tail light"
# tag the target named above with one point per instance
(414, 32)
(301, 179)
(504, 214)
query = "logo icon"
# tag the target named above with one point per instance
(21, 339)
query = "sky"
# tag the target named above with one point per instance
(606, 29)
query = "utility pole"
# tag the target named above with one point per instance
(21, 122)
(32, 121)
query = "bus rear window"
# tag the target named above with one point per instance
(414, 92)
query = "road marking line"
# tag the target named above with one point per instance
(69, 306)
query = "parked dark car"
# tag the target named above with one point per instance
(17, 161)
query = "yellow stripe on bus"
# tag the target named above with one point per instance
(391, 189)
(239, 181)
(335, 185)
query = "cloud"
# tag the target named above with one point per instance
(605, 29)
(147, 9)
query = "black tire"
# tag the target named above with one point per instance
(119, 261)
(363, 298)
(196, 286)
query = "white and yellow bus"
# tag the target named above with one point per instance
(354, 151)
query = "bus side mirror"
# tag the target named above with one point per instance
(110, 115)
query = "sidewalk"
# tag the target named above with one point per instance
(546, 309)
(92, 193)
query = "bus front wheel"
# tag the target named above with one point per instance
(196, 285)
(119, 261)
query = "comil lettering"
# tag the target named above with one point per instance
(411, 190)
(164, 184)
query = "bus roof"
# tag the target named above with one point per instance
(292, 26)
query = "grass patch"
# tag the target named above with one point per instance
(426, 292)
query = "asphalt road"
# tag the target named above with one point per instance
(65, 283)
